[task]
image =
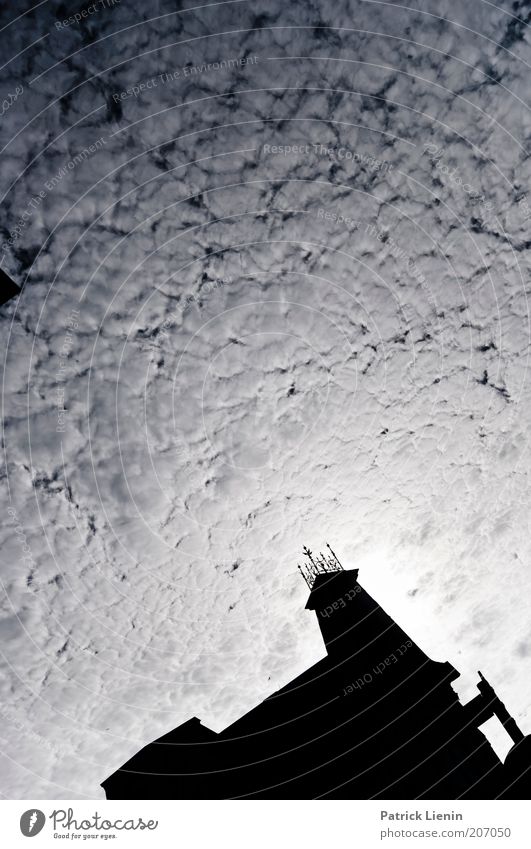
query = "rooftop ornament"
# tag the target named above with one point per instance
(318, 565)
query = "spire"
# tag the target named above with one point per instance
(318, 565)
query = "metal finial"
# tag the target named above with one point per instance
(307, 578)
(308, 554)
(334, 555)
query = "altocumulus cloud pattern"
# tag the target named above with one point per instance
(274, 270)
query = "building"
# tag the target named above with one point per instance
(375, 718)
(8, 289)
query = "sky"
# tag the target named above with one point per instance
(275, 263)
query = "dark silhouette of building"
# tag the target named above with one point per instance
(375, 718)
(8, 289)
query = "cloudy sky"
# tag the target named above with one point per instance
(275, 261)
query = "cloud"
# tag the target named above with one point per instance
(246, 375)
